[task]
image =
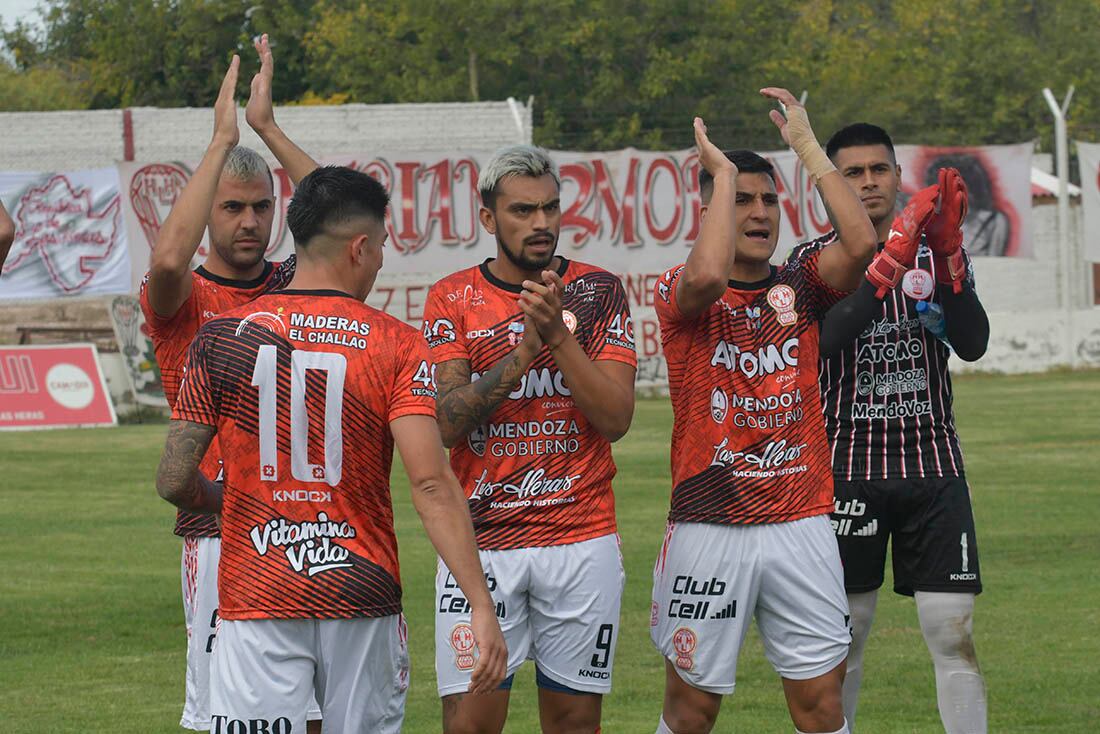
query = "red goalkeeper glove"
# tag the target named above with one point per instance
(900, 252)
(945, 233)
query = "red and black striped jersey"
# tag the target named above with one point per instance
(748, 441)
(210, 295)
(537, 474)
(887, 396)
(302, 387)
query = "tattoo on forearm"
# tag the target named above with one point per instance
(178, 478)
(464, 405)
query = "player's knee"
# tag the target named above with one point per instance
(461, 718)
(816, 704)
(690, 715)
(570, 723)
(947, 623)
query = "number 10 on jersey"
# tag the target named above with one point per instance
(265, 378)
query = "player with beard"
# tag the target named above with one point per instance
(308, 390)
(535, 368)
(748, 533)
(896, 459)
(231, 197)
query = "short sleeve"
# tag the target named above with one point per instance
(613, 332)
(442, 327)
(820, 295)
(413, 391)
(199, 398)
(664, 296)
(186, 316)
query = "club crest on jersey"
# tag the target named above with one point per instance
(476, 440)
(719, 405)
(570, 321)
(781, 298)
(462, 642)
(918, 284)
(684, 642)
(515, 333)
(273, 322)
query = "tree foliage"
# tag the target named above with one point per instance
(603, 73)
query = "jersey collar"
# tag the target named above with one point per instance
(741, 285)
(231, 283)
(514, 287)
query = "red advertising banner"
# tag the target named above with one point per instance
(53, 386)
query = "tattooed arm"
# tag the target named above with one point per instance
(463, 405)
(178, 478)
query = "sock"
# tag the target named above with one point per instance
(662, 727)
(947, 622)
(862, 609)
(842, 730)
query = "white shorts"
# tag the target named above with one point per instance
(199, 576)
(265, 672)
(710, 580)
(558, 605)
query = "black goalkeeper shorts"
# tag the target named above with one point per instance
(932, 524)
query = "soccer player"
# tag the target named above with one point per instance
(308, 389)
(749, 532)
(535, 366)
(7, 234)
(231, 197)
(896, 459)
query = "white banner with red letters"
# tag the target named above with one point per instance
(70, 237)
(53, 386)
(629, 211)
(1088, 156)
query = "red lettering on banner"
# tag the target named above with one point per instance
(690, 170)
(572, 217)
(650, 343)
(440, 204)
(639, 287)
(408, 238)
(381, 170)
(784, 189)
(666, 234)
(621, 212)
(474, 198)
(414, 311)
(389, 298)
(818, 217)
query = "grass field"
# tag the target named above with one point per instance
(91, 630)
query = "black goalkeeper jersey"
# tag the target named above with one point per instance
(886, 397)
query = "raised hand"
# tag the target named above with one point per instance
(797, 133)
(260, 113)
(710, 156)
(900, 251)
(225, 108)
(944, 230)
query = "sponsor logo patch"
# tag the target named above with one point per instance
(684, 642)
(918, 284)
(462, 642)
(781, 298)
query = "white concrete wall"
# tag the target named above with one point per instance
(52, 141)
